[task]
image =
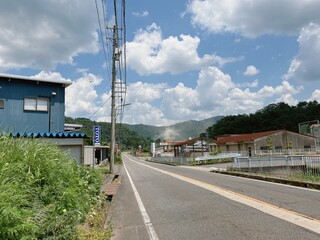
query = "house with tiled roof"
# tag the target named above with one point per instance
(278, 141)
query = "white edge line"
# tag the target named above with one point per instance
(281, 213)
(146, 219)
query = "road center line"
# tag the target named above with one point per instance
(143, 211)
(301, 220)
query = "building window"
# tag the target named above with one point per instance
(278, 148)
(1, 104)
(36, 104)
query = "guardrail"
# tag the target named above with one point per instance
(170, 160)
(307, 164)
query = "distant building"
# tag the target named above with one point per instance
(192, 147)
(315, 131)
(278, 141)
(32, 107)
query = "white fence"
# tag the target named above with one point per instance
(307, 163)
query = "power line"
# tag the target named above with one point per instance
(102, 39)
(99, 108)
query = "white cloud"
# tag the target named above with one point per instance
(252, 84)
(252, 18)
(315, 96)
(215, 94)
(81, 97)
(145, 92)
(149, 53)
(42, 34)
(305, 66)
(213, 86)
(180, 103)
(251, 71)
(159, 104)
(49, 76)
(141, 14)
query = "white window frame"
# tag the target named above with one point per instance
(41, 106)
(36, 104)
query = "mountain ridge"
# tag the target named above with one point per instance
(178, 131)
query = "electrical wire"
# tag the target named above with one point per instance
(99, 108)
(102, 38)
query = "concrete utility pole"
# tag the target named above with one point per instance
(115, 57)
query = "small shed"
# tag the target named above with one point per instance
(191, 147)
(95, 155)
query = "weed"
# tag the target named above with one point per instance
(44, 193)
(93, 227)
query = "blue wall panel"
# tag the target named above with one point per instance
(13, 117)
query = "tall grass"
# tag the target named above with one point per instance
(44, 193)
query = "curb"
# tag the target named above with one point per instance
(111, 184)
(110, 189)
(271, 179)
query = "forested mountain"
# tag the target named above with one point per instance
(124, 136)
(272, 117)
(135, 135)
(178, 131)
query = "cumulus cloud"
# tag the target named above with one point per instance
(150, 53)
(81, 97)
(251, 71)
(305, 66)
(215, 94)
(160, 104)
(42, 34)
(251, 18)
(180, 101)
(315, 96)
(139, 91)
(213, 86)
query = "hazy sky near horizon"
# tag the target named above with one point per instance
(185, 59)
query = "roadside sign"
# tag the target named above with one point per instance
(96, 135)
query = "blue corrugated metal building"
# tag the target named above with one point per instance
(34, 108)
(31, 104)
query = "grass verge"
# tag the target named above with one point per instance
(44, 193)
(93, 227)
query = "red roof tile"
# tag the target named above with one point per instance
(246, 137)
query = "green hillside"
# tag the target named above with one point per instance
(177, 131)
(125, 137)
(272, 117)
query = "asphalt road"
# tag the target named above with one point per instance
(189, 203)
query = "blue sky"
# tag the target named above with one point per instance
(185, 59)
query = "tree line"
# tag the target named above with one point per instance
(125, 138)
(275, 116)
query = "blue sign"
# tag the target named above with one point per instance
(96, 135)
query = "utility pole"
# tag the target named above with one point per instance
(115, 57)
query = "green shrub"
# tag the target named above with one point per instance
(44, 193)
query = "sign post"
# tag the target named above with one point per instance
(95, 142)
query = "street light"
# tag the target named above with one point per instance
(113, 134)
(123, 105)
